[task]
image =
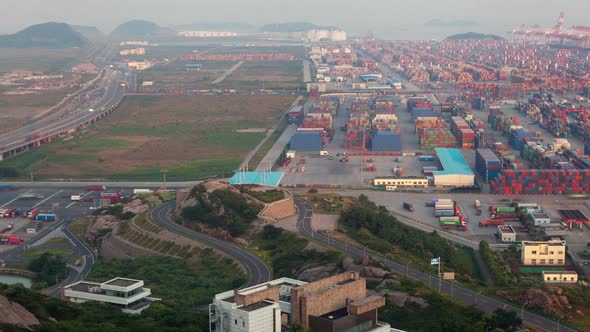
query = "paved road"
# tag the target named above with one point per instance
(227, 72)
(259, 272)
(464, 295)
(112, 95)
(108, 184)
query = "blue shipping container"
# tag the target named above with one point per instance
(386, 141)
(306, 141)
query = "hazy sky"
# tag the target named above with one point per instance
(386, 18)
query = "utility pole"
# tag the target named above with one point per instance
(164, 171)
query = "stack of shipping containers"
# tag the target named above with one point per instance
(542, 182)
(436, 138)
(487, 164)
(464, 134)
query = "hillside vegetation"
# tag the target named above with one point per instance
(52, 35)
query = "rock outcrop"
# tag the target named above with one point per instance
(551, 301)
(15, 314)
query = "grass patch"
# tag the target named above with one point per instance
(36, 253)
(187, 171)
(193, 281)
(58, 241)
(259, 155)
(79, 227)
(328, 203)
(232, 140)
(266, 196)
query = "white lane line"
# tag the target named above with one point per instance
(17, 197)
(43, 201)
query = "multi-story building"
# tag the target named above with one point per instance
(133, 51)
(207, 34)
(128, 294)
(338, 303)
(138, 65)
(317, 35)
(506, 233)
(543, 253)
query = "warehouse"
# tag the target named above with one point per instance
(456, 172)
(412, 182)
(307, 141)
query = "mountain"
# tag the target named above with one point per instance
(293, 27)
(91, 33)
(217, 26)
(473, 35)
(52, 35)
(450, 24)
(140, 28)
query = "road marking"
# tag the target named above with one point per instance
(17, 197)
(83, 196)
(43, 201)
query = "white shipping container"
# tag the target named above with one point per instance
(142, 191)
(75, 198)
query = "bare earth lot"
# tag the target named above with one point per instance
(190, 136)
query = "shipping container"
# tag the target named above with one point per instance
(45, 217)
(94, 187)
(386, 141)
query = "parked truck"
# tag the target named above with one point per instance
(408, 206)
(507, 216)
(95, 187)
(32, 213)
(491, 222)
(113, 196)
(45, 217)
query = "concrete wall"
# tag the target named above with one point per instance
(271, 293)
(280, 209)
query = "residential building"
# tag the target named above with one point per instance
(337, 303)
(133, 51)
(560, 277)
(543, 253)
(138, 65)
(506, 233)
(128, 294)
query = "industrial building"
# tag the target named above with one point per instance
(317, 35)
(402, 182)
(560, 277)
(506, 234)
(540, 218)
(371, 77)
(127, 294)
(544, 253)
(138, 65)
(337, 303)
(133, 51)
(456, 172)
(193, 67)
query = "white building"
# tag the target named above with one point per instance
(232, 311)
(540, 218)
(128, 294)
(33, 227)
(133, 51)
(138, 65)
(317, 35)
(506, 234)
(207, 34)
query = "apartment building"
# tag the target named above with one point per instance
(543, 253)
(127, 294)
(337, 303)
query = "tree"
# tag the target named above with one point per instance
(50, 269)
(297, 328)
(505, 320)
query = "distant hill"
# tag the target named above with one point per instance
(217, 26)
(91, 33)
(473, 35)
(293, 27)
(52, 35)
(140, 28)
(450, 23)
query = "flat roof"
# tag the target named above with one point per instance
(256, 306)
(452, 162)
(506, 229)
(560, 272)
(572, 216)
(122, 282)
(82, 286)
(536, 243)
(261, 178)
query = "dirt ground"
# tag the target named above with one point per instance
(163, 131)
(15, 110)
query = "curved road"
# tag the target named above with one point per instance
(467, 296)
(259, 272)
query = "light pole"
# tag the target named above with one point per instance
(559, 319)
(522, 312)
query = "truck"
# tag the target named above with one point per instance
(16, 212)
(477, 204)
(408, 206)
(491, 222)
(32, 213)
(45, 217)
(6, 229)
(142, 191)
(8, 213)
(95, 187)
(76, 198)
(113, 196)
(444, 213)
(507, 216)
(6, 187)
(508, 209)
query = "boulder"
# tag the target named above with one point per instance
(389, 283)
(348, 264)
(373, 272)
(397, 298)
(317, 273)
(419, 301)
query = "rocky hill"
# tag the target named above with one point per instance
(52, 35)
(140, 28)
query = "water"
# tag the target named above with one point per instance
(11, 280)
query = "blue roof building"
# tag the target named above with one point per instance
(456, 172)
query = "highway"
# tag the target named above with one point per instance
(48, 127)
(258, 271)
(467, 296)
